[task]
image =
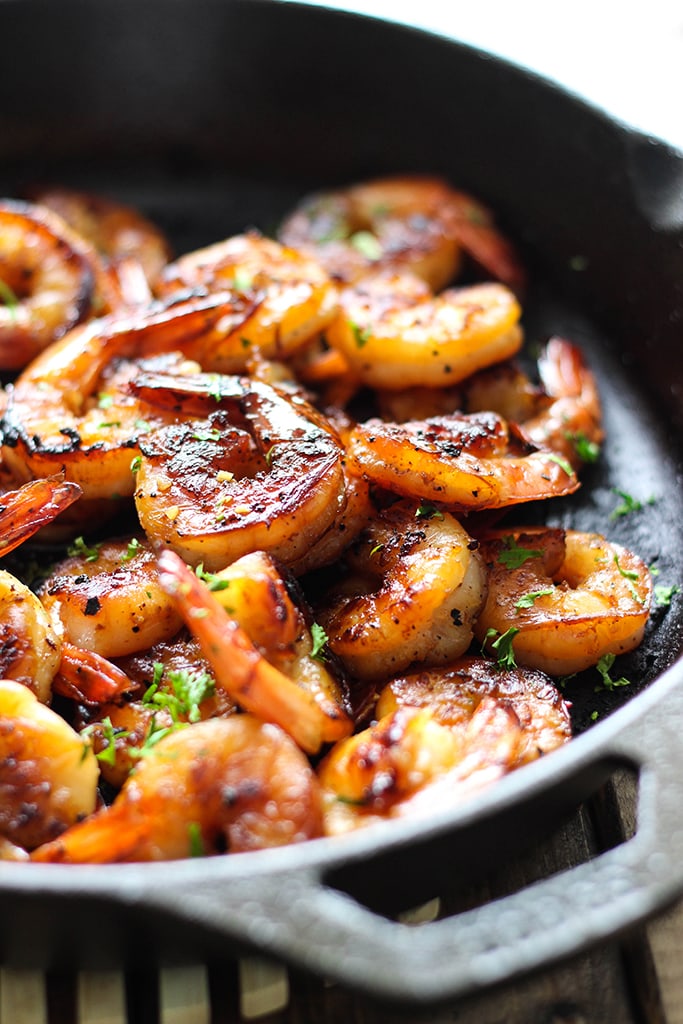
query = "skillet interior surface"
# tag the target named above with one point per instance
(240, 108)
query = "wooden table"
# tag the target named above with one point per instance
(635, 980)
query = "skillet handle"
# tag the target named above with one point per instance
(294, 916)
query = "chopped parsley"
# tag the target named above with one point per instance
(196, 842)
(562, 463)
(135, 464)
(366, 244)
(527, 600)
(628, 504)
(361, 335)
(79, 549)
(104, 400)
(428, 511)
(604, 666)
(502, 646)
(586, 450)
(664, 594)
(513, 555)
(109, 733)
(319, 641)
(213, 580)
(630, 575)
(9, 298)
(134, 548)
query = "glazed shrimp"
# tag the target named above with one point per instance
(571, 424)
(224, 785)
(467, 461)
(394, 333)
(395, 224)
(25, 511)
(416, 587)
(48, 773)
(454, 692)
(107, 598)
(306, 702)
(122, 235)
(30, 648)
(255, 471)
(570, 597)
(410, 764)
(46, 282)
(287, 298)
(69, 412)
(141, 698)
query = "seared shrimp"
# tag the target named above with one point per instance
(286, 297)
(570, 597)
(410, 764)
(142, 698)
(30, 649)
(69, 411)
(454, 692)
(224, 785)
(395, 224)
(394, 334)
(305, 700)
(123, 236)
(46, 282)
(107, 598)
(468, 461)
(48, 773)
(416, 587)
(571, 424)
(257, 471)
(25, 511)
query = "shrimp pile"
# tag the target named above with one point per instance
(282, 601)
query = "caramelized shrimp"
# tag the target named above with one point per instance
(122, 235)
(453, 694)
(571, 424)
(107, 598)
(48, 773)
(69, 412)
(394, 333)
(25, 511)
(393, 224)
(410, 764)
(224, 785)
(257, 471)
(306, 700)
(30, 648)
(416, 587)
(46, 282)
(467, 461)
(569, 597)
(287, 298)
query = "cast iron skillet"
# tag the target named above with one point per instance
(215, 115)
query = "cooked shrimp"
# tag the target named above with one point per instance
(46, 282)
(394, 334)
(391, 224)
(107, 598)
(48, 773)
(468, 461)
(141, 698)
(287, 298)
(454, 692)
(69, 411)
(472, 224)
(572, 422)
(306, 702)
(224, 785)
(569, 597)
(25, 511)
(410, 764)
(258, 471)
(30, 649)
(416, 587)
(121, 234)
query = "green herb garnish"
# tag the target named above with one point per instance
(603, 667)
(503, 646)
(319, 640)
(527, 601)
(79, 549)
(513, 555)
